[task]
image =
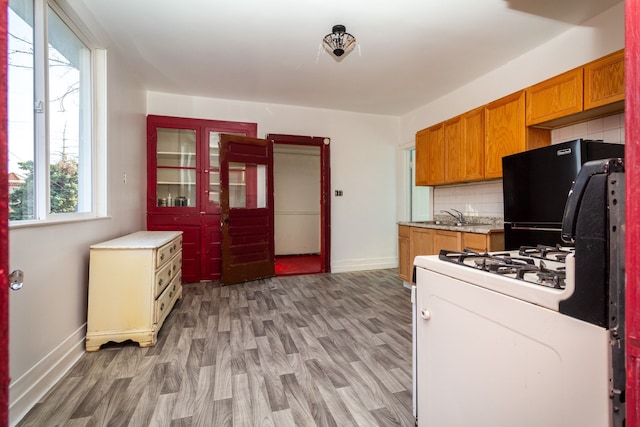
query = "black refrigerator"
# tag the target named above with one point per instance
(535, 187)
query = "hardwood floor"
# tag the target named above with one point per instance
(315, 350)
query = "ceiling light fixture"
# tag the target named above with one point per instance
(339, 41)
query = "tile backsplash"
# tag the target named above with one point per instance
(485, 198)
(608, 129)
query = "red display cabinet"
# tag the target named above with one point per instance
(183, 186)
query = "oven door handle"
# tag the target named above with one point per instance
(518, 227)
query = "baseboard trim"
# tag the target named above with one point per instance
(26, 391)
(363, 264)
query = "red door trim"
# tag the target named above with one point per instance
(632, 173)
(4, 224)
(325, 184)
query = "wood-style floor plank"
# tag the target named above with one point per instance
(305, 351)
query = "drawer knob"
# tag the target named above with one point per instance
(425, 314)
(160, 282)
(161, 306)
(161, 257)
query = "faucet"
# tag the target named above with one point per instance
(459, 216)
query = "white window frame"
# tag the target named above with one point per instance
(97, 199)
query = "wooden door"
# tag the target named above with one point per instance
(246, 199)
(4, 227)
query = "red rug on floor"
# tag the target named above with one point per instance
(289, 265)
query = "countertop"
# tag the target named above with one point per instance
(480, 225)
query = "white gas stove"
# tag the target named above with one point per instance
(494, 350)
(532, 337)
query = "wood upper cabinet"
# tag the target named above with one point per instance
(454, 150)
(473, 146)
(505, 132)
(430, 156)
(604, 80)
(422, 157)
(436, 150)
(556, 97)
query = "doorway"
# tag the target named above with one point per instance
(302, 204)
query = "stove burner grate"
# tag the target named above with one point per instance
(521, 267)
(554, 253)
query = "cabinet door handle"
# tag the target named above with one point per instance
(425, 314)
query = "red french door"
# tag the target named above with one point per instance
(4, 225)
(246, 201)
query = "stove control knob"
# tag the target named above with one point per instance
(425, 314)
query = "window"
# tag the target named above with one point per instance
(420, 198)
(51, 113)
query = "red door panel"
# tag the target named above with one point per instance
(211, 249)
(632, 172)
(4, 227)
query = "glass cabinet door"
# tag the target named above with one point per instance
(212, 190)
(176, 167)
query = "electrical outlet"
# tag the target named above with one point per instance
(124, 177)
(339, 193)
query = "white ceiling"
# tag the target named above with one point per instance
(408, 52)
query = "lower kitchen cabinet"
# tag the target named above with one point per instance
(404, 251)
(444, 239)
(481, 242)
(415, 241)
(134, 282)
(420, 243)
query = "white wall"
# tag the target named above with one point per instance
(596, 38)
(296, 199)
(363, 146)
(47, 317)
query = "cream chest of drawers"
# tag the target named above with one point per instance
(134, 282)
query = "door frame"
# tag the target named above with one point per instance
(632, 167)
(325, 188)
(4, 222)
